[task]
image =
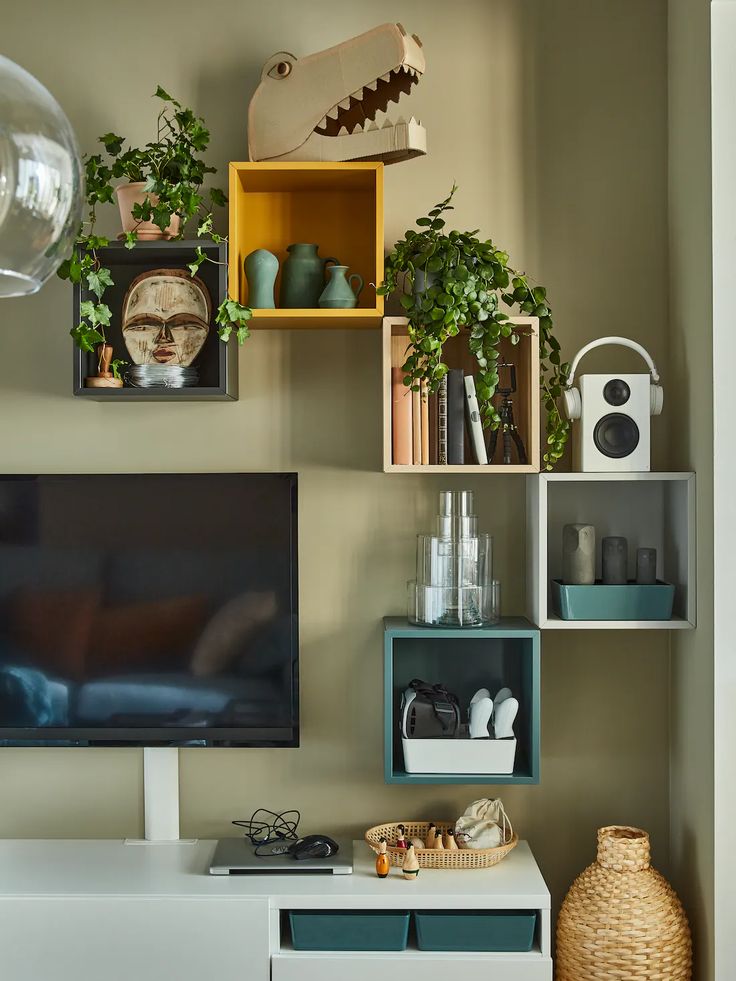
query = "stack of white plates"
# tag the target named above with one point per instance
(162, 376)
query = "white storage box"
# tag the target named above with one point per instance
(459, 755)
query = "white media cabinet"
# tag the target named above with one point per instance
(111, 911)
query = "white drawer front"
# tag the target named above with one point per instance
(359, 966)
(136, 939)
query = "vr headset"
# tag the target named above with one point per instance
(429, 712)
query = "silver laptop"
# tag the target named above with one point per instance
(236, 856)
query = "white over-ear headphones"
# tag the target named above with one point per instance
(573, 402)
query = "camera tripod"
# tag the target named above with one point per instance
(508, 425)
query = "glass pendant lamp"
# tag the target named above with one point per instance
(41, 186)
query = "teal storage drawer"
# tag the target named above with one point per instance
(498, 931)
(349, 930)
(601, 602)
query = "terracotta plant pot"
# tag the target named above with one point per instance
(131, 194)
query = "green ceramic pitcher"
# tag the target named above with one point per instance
(303, 276)
(339, 293)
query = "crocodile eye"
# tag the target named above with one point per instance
(280, 70)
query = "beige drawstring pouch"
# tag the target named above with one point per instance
(484, 824)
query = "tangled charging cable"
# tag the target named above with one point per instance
(271, 832)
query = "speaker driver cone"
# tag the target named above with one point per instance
(616, 392)
(616, 435)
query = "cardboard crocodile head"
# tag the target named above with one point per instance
(323, 106)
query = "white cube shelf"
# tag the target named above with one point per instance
(649, 509)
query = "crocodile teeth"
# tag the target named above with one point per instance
(357, 94)
(357, 128)
(333, 113)
(400, 121)
(345, 104)
(373, 126)
(372, 85)
(387, 124)
(386, 77)
(343, 131)
(322, 123)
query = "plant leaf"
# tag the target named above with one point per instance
(112, 143)
(161, 93)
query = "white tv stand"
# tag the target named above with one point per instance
(99, 911)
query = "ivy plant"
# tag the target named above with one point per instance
(453, 282)
(174, 173)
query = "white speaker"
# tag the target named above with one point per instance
(611, 414)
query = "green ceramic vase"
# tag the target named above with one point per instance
(303, 276)
(339, 293)
(261, 268)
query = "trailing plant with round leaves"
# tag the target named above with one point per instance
(453, 282)
(174, 174)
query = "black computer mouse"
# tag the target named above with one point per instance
(314, 846)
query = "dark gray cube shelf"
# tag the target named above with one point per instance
(217, 362)
(464, 660)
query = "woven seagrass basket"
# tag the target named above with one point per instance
(429, 858)
(621, 918)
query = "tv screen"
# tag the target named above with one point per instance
(156, 609)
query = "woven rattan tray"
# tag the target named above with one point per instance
(429, 858)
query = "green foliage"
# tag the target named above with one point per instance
(463, 281)
(232, 315)
(174, 172)
(116, 367)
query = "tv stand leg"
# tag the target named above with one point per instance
(160, 794)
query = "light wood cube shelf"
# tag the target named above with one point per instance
(654, 510)
(525, 355)
(338, 206)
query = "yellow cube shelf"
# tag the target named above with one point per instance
(339, 206)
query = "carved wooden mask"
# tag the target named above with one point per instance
(166, 317)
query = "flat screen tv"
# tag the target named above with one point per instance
(149, 610)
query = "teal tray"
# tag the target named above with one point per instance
(349, 930)
(601, 602)
(507, 931)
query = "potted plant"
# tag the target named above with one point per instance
(162, 194)
(453, 282)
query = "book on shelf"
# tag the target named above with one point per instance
(416, 427)
(433, 412)
(455, 417)
(424, 393)
(442, 423)
(401, 408)
(475, 426)
(442, 428)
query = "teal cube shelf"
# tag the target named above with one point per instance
(464, 660)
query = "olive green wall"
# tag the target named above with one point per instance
(691, 431)
(551, 116)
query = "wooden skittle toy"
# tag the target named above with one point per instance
(410, 868)
(431, 835)
(438, 846)
(401, 840)
(450, 843)
(383, 863)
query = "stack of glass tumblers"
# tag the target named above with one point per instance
(454, 586)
